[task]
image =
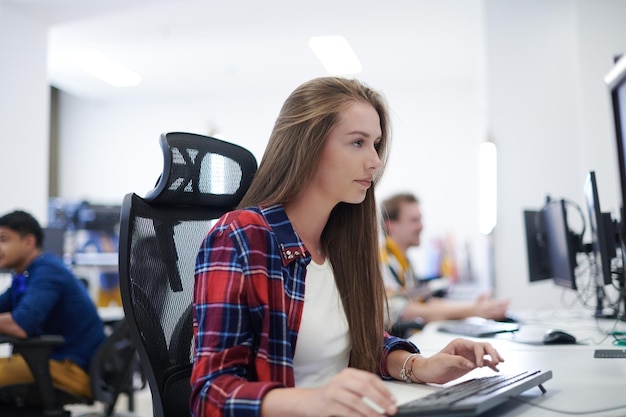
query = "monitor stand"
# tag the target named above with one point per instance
(619, 311)
(622, 293)
(601, 312)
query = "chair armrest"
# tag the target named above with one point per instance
(36, 352)
(405, 329)
(35, 341)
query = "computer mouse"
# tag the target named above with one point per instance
(558, 337)
(508, 319)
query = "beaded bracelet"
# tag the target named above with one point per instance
(405, 374)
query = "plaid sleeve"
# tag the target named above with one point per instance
(225, 324)
(394, 343)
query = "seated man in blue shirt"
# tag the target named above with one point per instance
(45, 298)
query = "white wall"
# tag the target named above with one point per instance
(601, 36)
(110, 148)
(24, 104)
(549, 114)
(535, 86)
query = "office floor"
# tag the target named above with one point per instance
(143, 407)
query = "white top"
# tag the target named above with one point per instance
(323, 346)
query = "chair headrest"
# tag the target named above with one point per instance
(201, 171)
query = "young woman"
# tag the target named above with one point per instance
(289, 299)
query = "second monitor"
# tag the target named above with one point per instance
(551, 245)
(603, 233)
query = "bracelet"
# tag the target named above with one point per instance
(405, 374)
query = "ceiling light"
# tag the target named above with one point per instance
(107, 70)
(335, 54)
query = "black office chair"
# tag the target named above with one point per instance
(405, 329)
(111, 373)
(115, 369)
(160, 235)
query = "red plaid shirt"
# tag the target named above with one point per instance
(248, 299)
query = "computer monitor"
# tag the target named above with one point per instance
(105, 218)
(616, 82)
(602, 232)
(62, 213)
(54, 241)
(560, 243)
(536, 250)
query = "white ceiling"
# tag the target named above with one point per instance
(194, 47)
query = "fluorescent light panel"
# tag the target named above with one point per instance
(107, 70)
(488, 189)
(335, 54)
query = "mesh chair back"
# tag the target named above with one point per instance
(112, 368)
(160, 235)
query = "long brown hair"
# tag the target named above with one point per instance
(350, 237)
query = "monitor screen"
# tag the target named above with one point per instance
(54, 241)
(616, 81)
(602, 233)
(105, 218)
(536, 251)
(62, 213)
(560, 244)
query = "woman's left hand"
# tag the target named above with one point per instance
(455, 360)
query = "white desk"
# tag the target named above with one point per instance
(111, 314)
(96, 259)
(580, 382)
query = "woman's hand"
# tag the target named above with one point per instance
(344, 395)
(455, 360)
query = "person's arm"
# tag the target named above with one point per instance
(442, 309)
(343, 395)
(456, 359)
(42, 294)
(436, 309)
(222, 330)
(9, 327)
(487, 307)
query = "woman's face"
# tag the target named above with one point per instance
(349, 159)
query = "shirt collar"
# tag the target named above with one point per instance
(291, 246)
